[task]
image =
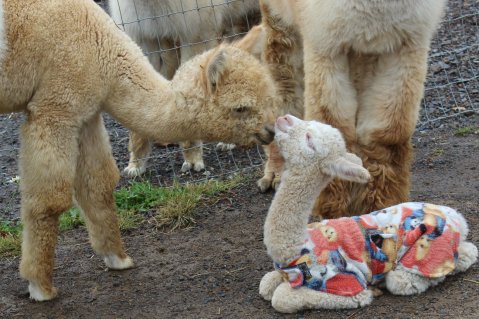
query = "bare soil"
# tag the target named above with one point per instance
(212, 270)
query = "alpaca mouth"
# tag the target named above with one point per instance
(266, 136)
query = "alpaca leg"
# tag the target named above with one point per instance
(467, 256)
(193, 150)
(289, 300)
(193, 155)
(140, 149)
(404, 283)
(385, 123)
(96, 178)
(269, 283)
(225, 147)
(47, 167)
(330, 97)
(272, 168)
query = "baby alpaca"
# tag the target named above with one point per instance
(63, 73)
(330, 264)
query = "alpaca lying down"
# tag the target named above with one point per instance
(409, 247)
(63, 73)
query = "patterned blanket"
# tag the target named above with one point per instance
(342, 256)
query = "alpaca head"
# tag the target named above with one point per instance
(238, 95)
(313, 146)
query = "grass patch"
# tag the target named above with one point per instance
(10, 239)
(463, 131)
(436, 152)
(172, 207)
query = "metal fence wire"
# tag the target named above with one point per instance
(170, 34)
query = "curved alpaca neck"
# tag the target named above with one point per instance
(288, 215)
(145, 102)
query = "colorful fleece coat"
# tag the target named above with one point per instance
(342, 256)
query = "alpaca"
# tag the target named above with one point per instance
(330, 264)
(279, 46)
(365, 67)
(63, 73)
(173, 32)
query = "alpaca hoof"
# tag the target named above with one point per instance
(117, 263)
(376, 292)
(199, 166)
(224, 147)
(39, 294)
(269, 283)
(276, 182)
(133, 170)
(187, 166)
(264, 184)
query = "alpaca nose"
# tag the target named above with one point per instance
(266, 136)
(284, 123)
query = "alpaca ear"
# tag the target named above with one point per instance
(215, 71)
(254, 41)
(353, 158)
(348, 168)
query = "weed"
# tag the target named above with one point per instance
(173, 207)
(463, 131)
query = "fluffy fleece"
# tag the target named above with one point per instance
(63, 73)
(330, 264)
(365, 67)
(173, 31)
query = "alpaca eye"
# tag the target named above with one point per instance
(241, 109)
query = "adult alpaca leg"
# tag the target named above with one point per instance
(385, 123)
(330, 97)
(96, 178)
(48, 157)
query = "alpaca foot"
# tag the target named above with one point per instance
(276, 182)
(224, 147)
(467, 255)
(117, 263)
(289, 300)
(376, 291)
(404, 283)
(134, 170)
(38, 293)
(264, 184)
(269, 283)
(196, 166)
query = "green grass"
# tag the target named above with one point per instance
(171, 207)
(10, 239)
(463, 131)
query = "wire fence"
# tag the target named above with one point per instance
(451, 96)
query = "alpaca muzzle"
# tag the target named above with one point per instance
(266, 136)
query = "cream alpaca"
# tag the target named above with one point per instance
(365, 66)
(279, 44)
(329, 264)
(192, 25)
(63, 73)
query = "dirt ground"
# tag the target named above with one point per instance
(213, 269)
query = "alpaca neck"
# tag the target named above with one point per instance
(285, 227)
(145, 102)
